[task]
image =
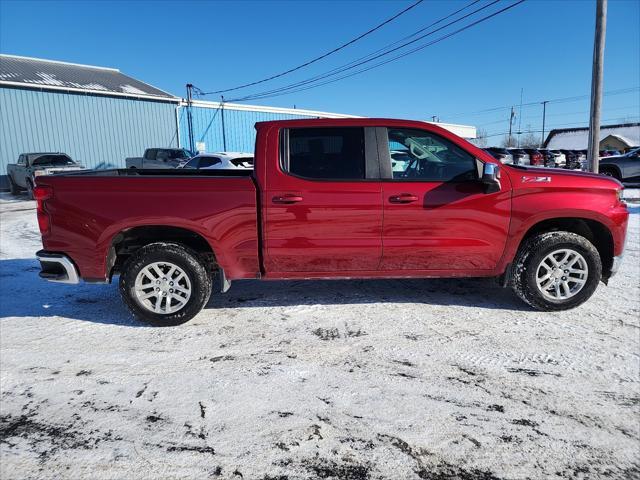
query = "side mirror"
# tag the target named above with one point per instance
(491, 178)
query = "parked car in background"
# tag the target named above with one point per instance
(221, 161)
(582, 158)
(572, 159)
(501, 154)
(160, 158)
(622, 167)
(520, 157)
(22, 174)
(535, 156)
(549, 157)
(561, 158)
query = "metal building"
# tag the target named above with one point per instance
(98, 116)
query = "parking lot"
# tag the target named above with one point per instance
(432, 379)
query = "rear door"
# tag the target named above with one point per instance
(323, 203)
(436, 213)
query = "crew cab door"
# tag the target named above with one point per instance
(20, 172)
(436, 213)
(322, 202)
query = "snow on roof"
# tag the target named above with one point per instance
(578, 138)
(39, 73)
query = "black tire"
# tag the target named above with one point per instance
(611, 172)
(15, 189)
(183, 257)
(534, 250)
(30, 190)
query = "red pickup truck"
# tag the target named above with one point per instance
(328, 199)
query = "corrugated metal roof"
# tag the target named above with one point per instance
(39, 73)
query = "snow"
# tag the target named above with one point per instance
(578, 139)
(403, 379)
(131, 89)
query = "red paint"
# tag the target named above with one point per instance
(328, 229)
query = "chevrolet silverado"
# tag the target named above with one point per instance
(329, 199)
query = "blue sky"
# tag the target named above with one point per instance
(542, 47)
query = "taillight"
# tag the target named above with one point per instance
(42, 193)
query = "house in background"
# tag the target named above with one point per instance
(612, 137)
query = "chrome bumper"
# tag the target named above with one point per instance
(56, 267)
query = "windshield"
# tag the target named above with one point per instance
(53, 160)
(178, 154)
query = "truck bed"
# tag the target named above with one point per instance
(161, 172)
(88, 209)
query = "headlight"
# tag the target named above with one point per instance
(37, 173)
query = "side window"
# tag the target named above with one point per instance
(426, 156)
(326, 153)
(208, 162)
(22, 160)
(150, 154)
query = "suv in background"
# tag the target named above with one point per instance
(520, 157)
(501, 154)
(536, 157)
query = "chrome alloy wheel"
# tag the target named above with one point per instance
(562, 274)
(162, 287)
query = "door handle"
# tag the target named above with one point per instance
(287, 199)
(403, 198)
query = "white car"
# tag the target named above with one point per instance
(221, 161)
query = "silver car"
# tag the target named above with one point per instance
(622, 167)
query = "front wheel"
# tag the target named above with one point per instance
(165, 284)
(556, 271)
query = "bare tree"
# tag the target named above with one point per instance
(509, 141)
(529, 140)
(481, 138)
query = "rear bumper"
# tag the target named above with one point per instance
(56, 267)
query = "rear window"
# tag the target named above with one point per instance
(326, 153)
(53, 160)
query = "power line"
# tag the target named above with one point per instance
(537, 103)
(337, 49)
(292, 88)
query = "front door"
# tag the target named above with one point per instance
(436, 214)
(323, 203)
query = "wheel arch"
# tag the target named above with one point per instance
(129, 240)
(593, 230)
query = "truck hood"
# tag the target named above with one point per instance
(555, 177)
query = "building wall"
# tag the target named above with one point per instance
(239, 128)
(98, 131)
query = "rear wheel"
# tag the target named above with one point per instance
(165, 284)
(556, 271)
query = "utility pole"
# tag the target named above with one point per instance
(224, 133)
(596, 85)
(189, 116)
(510, 125)
(520, 117)
(433, 118)
(544, 117)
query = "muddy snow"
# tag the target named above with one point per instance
(431, 379)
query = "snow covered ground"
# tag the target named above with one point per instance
(432, 379)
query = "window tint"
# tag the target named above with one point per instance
(326, 153)
(421, 155)
(208, 162)
(150, 154)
